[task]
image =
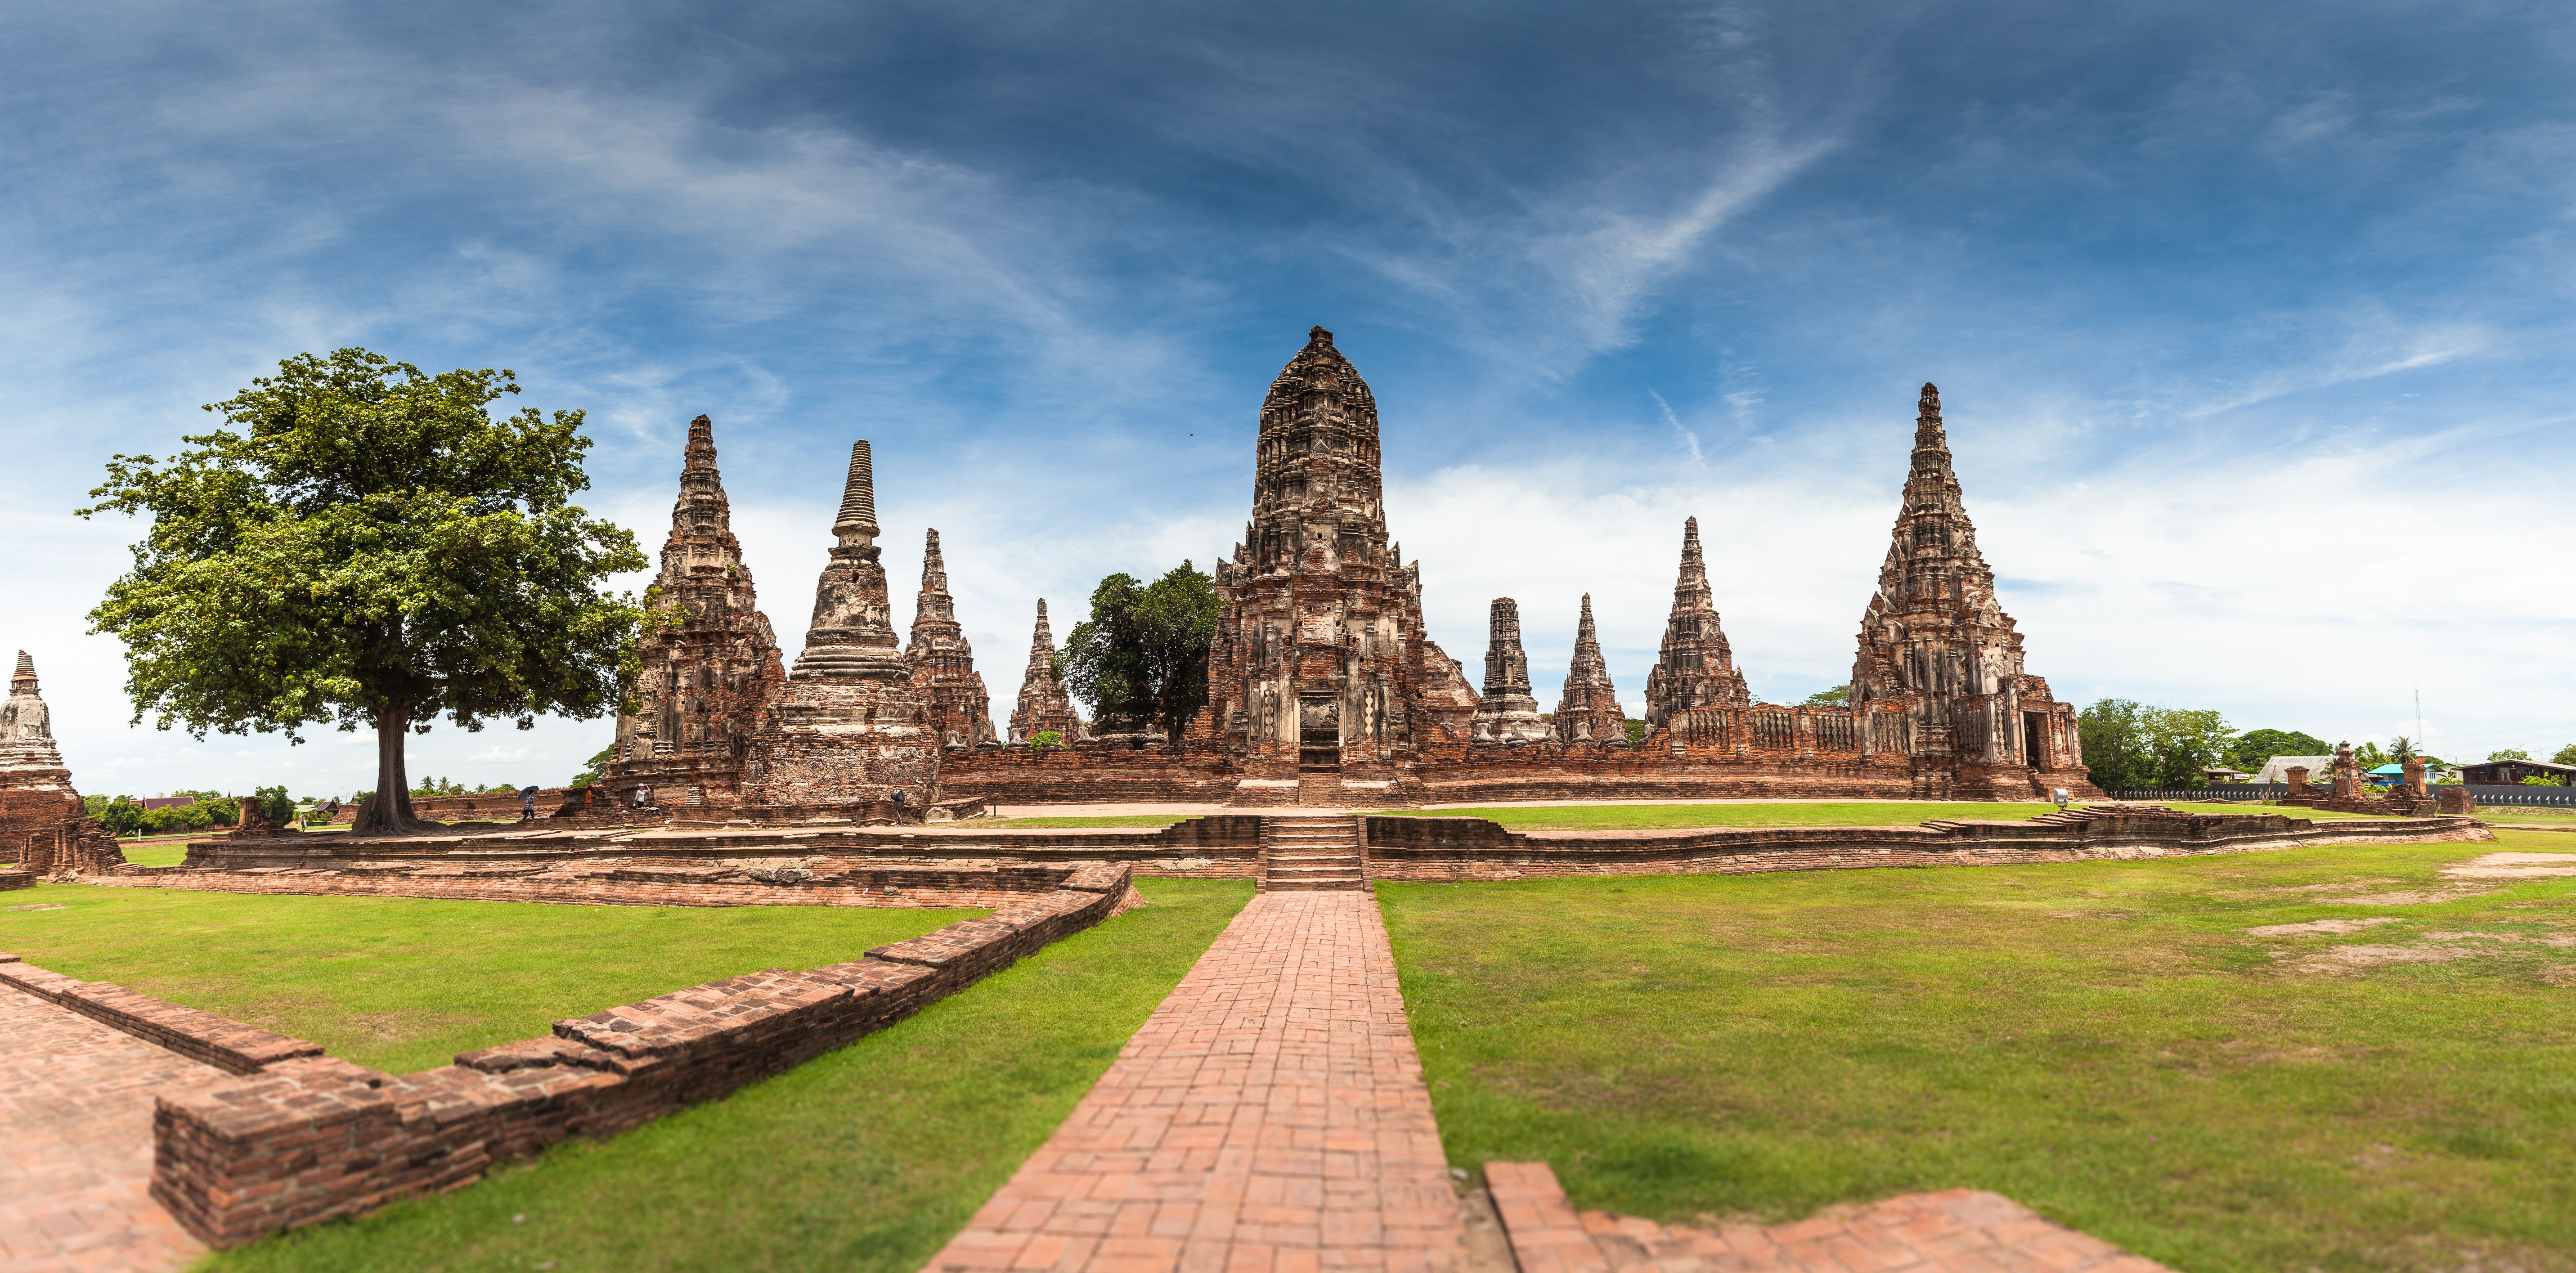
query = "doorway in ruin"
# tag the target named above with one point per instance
(1319, 732)
(2032, 733)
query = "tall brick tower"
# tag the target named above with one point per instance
(1320, 664)
(1696, 667)
(1507, 712)
(1589, 712)
(708, 681)
(943, 664)
(1042, 705)
(1935, 639)
(850, 728)
(42, 827)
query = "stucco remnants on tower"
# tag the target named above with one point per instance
(850, 729)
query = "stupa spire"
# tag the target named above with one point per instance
(1506, 712)
(27, 725)
(852, 633)
(1695, 668)
(1589, 711)
(943, 664)
(1043, 705)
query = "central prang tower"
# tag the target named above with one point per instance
(1321, 681)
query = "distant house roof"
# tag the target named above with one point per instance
(167, 802)
(2390, 769)
(2277, 769)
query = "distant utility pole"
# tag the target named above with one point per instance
(2419, 718)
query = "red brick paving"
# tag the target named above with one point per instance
(76, 1144)
(1269, 1118)
(1952, 1232)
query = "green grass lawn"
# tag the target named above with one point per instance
(403, 983)
(2103, 1041)
(865, 1159)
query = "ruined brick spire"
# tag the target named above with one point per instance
(26, 725)
(1506, 712)
(1589, 710)
(852, 634)
(706, 681)
(1696, 668)
(1043, 704)
(1317, 492)
(1934, 625)
(943, 664)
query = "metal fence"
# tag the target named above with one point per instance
(2256, 792)
(2533, 797)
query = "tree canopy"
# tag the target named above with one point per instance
(1142, 655)
(2256, 746)
(2129, 745)
(1838, 696)
(366, 546)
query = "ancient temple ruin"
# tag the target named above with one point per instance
(850, 729)
(1695, 668)
(711, 671)
(43, 829)
(1935, 643)
(1321, 665)
(1507, 712)
(1042, 706)
(1324, 686)
(1589, 709)
(943, 663)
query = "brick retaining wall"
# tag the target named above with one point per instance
(1409, 848)
(302, 1137)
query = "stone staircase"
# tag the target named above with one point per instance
(1305, 852)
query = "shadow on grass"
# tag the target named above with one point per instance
(867, 1158)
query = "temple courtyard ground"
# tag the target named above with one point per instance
(2337, 1057)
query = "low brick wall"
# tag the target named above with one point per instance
(301, 1137)
(728, 866)
(10, 879)
(1405, 848)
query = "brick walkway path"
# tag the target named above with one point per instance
(76, 1144)
(1269, 1118)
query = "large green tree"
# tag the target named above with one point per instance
(1142, 655)
(2129, 745)
(367, 546)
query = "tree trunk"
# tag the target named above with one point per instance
(388, 811)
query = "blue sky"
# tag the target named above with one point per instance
(2252, 321)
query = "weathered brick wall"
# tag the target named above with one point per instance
(303, 1137)
(1407, 848)
(1087, 772)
